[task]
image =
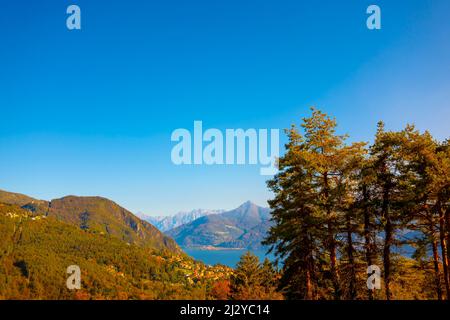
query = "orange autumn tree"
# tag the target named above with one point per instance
(221, 290)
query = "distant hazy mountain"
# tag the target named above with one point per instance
(97, 215)
(166, 223)
(243, 227)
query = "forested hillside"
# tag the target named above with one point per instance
(96, 214)
(36, 250)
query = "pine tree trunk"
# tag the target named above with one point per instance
(331, 243)
(387, 259)
(308, 293)
(436, 268)
(444, 250)
(333, 264)
(447, 229)
(367, 235)
(309, 269)
(351, 261)
(387, 241)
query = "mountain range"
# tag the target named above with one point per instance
(166, 223)
(243, 227)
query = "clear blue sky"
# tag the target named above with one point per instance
(91, 112)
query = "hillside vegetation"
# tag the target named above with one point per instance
(35, 252)
(98, 215)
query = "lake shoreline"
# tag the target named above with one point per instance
(224, 256)
(212, 248)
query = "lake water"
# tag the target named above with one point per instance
(225, 257)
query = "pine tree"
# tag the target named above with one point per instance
(268, 274)
(295, 234)
(432, 189)
(439, 186)
(365, 208)
(311, 195)
(246, 280)
(387, 161)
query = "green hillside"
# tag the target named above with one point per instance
(106, 217)
(98, 215)
(35, 252)
(36, 206)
